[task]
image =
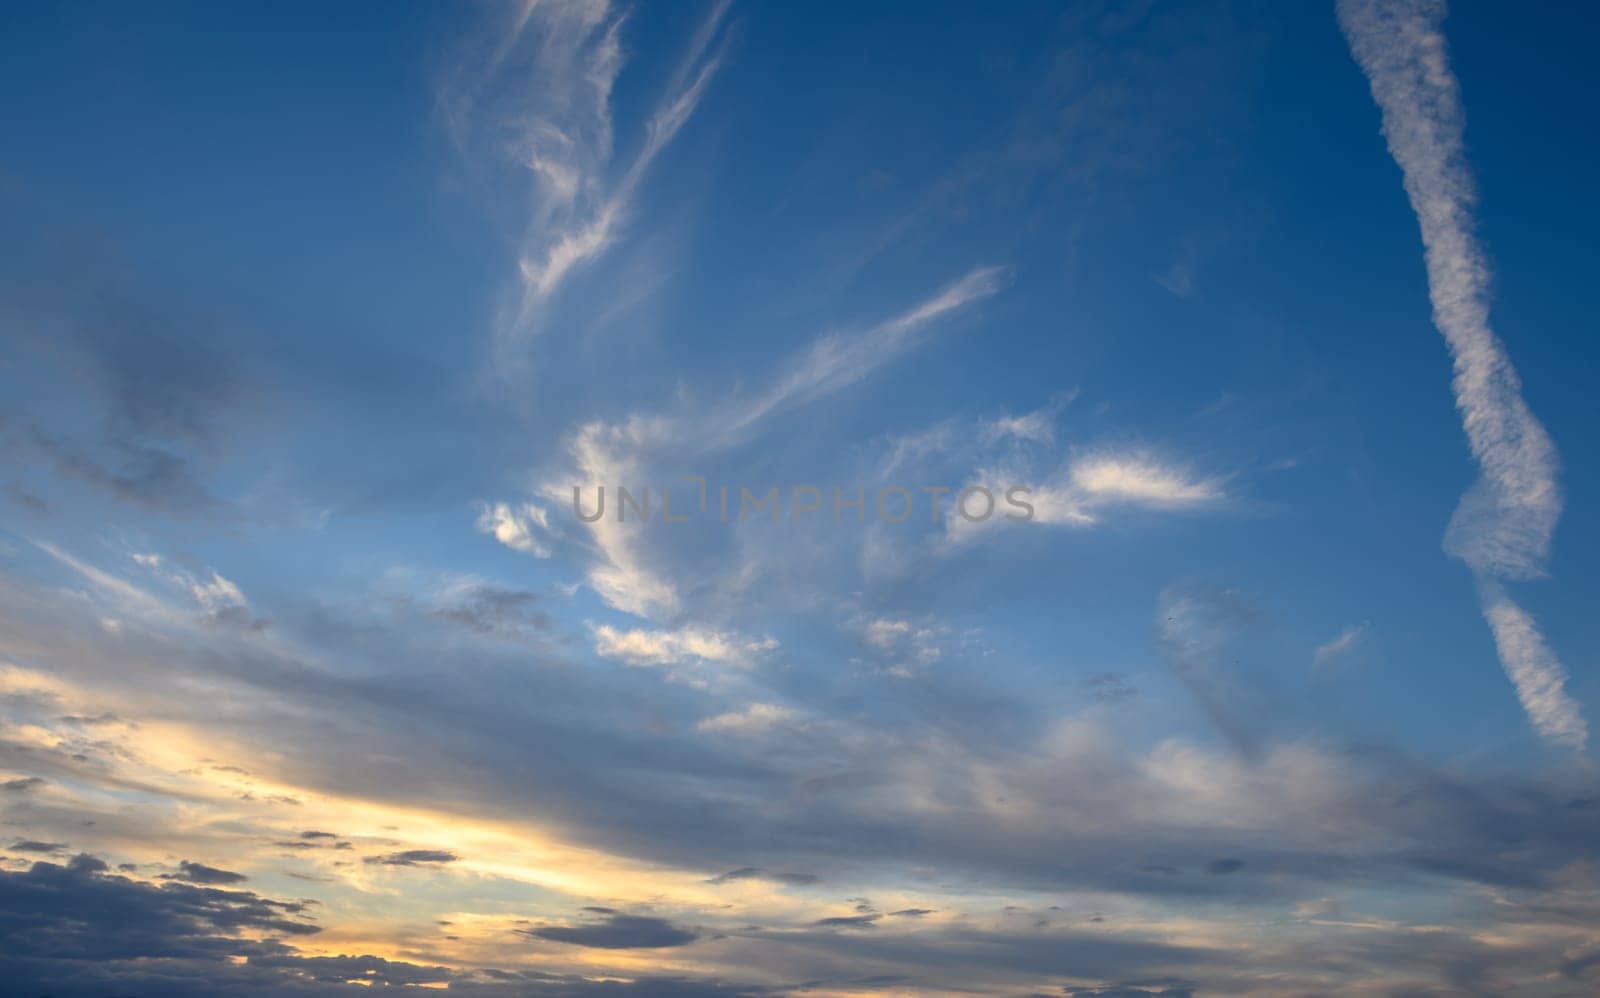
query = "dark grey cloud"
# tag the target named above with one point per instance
(532, 984)
(79, 912)
(27, 500)
(32, 845)
(413, 857)
(619, 931)
(75, 931)
(199, 873)
(1138, 989)
(1225, 865)
(22, 784)
(847, 922)
(1582, 966)
(950, 957)
(757, 873)
(150, 476)
(911, 913)
(1198, 632)
(488, 610)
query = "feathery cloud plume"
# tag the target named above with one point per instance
(546, 81)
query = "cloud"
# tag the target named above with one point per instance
(1503, 524)
(77, 932)
(517, 527)
(156, 389)
(847, 922)
(1038, 426)
(1033, 798)
(618, 931)
(1340, 646)
(1534, 670)
(884, 633)
(630, 453)
(757, 873)
(77, 911)
(413, 857)
(219, 597)
(638, 646)
(1178, 279)
(1107, 479)
(22, 784)
(199, 873)
(536, 100)
(1196, 624)
(1081, 491)
(150, 476)
(30, 845)
(490, 610)
(1138, 989)
(836, 361)
(751, 720)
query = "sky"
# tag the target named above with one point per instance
(1263, 327)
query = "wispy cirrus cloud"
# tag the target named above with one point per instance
(838, 360)
(538, 102)
(1503, 524)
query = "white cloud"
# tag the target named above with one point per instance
(1535, 671)
(613, 455)
(883, 633)
(1109, 479)
(1348, 639)
(644, 647)
(905, 648)
(214, 593)
(752, 720)
(1075, 495)
(516, 526)
(1503, 525)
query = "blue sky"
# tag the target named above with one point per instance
(313, 318)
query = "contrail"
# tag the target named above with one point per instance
(1503, 524)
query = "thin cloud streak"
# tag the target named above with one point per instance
(1503, 524)
(837, 361)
